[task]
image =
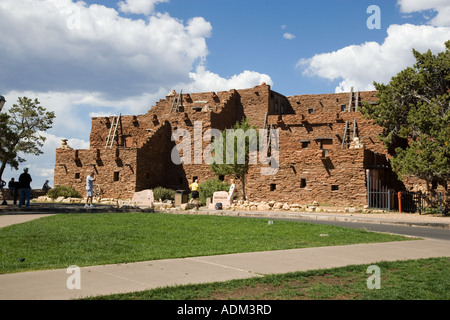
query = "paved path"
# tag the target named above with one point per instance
(100, 280)
(7, 220)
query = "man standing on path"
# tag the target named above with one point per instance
(25, 188)
(90, 190)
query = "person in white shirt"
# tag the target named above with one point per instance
(90, 190)
(231, 191)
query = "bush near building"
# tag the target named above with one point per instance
(63, 191)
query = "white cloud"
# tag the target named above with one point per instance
(62, 45)
(440, 7)
(360, 65)
(204, 80)
(288, 36)
(145, 7)
(84, 60)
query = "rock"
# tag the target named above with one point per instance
(271, 203)
(286, 206)
(263, 207)
(278, 205)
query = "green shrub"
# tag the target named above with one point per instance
(207, 189)
(163, 194)
(63, 191)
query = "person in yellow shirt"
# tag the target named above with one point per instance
(194, 192)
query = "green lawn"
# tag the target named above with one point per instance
(424, 279)
(93, 239)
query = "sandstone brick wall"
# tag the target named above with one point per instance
(339, 180)
(141, 154)
(114, 168)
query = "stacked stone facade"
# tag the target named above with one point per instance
(314, 163)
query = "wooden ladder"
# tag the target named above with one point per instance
(347, 136)
(112, 132)
(354, 101)
(176, 102)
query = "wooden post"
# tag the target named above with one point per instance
(400, 202)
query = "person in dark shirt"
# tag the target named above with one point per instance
(46, 187)
(25, 188)
(11, 186)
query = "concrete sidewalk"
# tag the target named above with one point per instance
(121, 278)
(102, 280)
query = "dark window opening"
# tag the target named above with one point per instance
(222, 178)
(305, 145)
(310, 111)
(343, 107)
(273, 186)
(302, 183)
(434, 185)
(116, 176)
(77, 175)
(334, 188)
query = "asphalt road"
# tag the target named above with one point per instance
(421, 232)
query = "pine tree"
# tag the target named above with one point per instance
(414, 110)
(21, 131)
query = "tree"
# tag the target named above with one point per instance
(232, 152)
(414, 111)
(21, 131)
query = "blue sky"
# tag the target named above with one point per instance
(83, 59)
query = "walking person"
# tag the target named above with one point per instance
(194, 192)
(25, 188)
(90, 190)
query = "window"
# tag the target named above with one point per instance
(334, 188)
(116, 176)
(273, 186)
(222, 178)
(310, 111)
(434, 185)
(305, 143)
(77, 175)
(343, 107)
(302, 183)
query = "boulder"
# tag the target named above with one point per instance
(278, 205)
(263, 207)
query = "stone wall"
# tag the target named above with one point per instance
(313, 165)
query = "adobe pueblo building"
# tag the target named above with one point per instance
(327, 151)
